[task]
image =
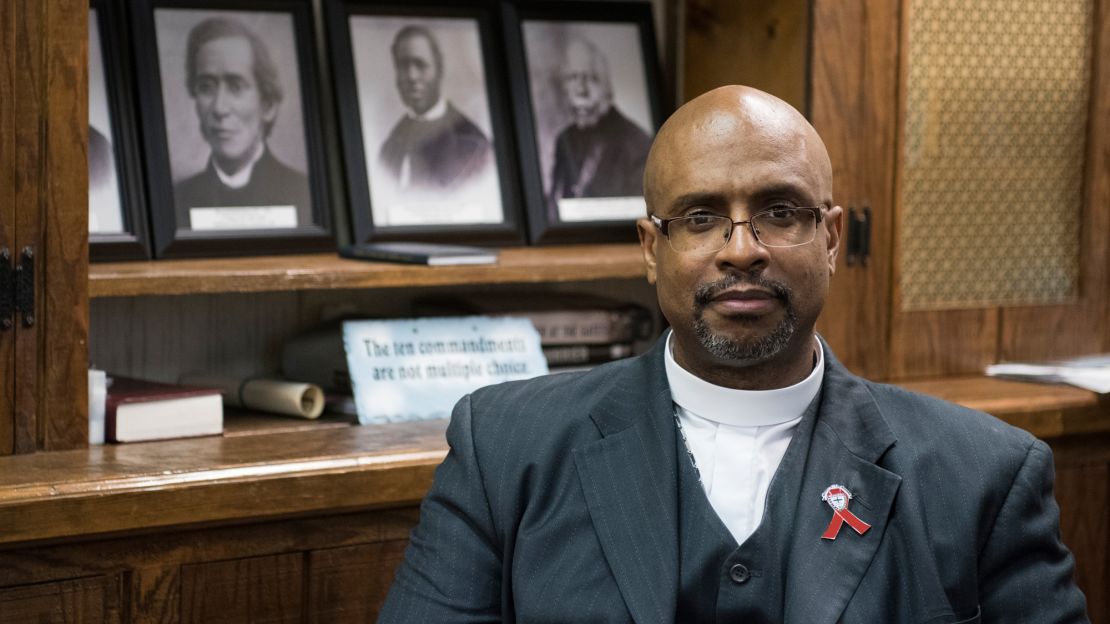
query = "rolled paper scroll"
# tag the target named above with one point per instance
(289, 398)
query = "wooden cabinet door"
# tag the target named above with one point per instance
(7, 215)
(44, 208)
(853, 77)
(1002, 185)
(255, 590)
(350, 584)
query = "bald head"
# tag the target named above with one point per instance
(730, 121)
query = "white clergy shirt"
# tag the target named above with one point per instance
(738, 437)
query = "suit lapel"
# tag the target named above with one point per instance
(630, 485)
(850, 436)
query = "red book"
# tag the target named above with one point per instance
(138, 410)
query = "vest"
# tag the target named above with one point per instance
(720, 581)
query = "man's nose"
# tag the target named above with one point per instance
(743, 250)
(221, 101)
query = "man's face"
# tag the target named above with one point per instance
(418, 74)
(746, 304)
(584, 84)
(229, 105)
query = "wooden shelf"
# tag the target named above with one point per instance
(143, 486)
(568, 263)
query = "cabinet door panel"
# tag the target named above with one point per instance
(244, 591)
(350, 584)
(1059, 331)
(70, 602)
(1001, 186)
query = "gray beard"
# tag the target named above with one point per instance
(760, 349)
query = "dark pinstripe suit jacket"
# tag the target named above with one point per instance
(557, 503)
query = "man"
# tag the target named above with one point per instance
(601, 153)
(737, 472)
(434, 146)
(235, 86)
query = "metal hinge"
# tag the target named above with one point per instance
(859, 236)
(17, 288)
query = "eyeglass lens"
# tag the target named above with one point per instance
(774, 228)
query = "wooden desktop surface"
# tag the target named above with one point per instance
(298, 470)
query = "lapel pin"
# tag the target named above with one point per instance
(837, 496)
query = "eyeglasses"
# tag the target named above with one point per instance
(779, 226)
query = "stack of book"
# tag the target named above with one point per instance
(576, 331)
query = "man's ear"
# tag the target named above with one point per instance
(269, 112)
(649, 235)
(834, 226)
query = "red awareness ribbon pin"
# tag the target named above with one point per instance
(837, 496)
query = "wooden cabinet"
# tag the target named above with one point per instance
(851, 66)
(308, 522)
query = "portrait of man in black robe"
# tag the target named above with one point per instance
(236, 89)
(433, 146)
(601, 152)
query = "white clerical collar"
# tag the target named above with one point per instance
(243, 177)
(439, 109)
(741, 408)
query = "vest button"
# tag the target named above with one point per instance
(739, 574)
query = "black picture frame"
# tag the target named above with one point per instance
(115, 163)
(370, 109)
(580, 21)
(295, 171)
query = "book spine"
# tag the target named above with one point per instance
(565, 355)
(570, 327)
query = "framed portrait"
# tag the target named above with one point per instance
(231, 126)
(585, 80)
(425, 126)
(117, 213)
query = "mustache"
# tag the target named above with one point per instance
(707, 292)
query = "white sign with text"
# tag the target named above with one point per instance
(417, 369)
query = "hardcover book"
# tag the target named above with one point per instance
(432, 254)
(561, 320)
(137, 410)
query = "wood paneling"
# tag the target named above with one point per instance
(182, 576)
(350, 584)
(63, 253)
(243, 591)
(150, 557)
(941, 344)
(80, 601)
(854, 75)
(759, 44)
(1082, 492)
